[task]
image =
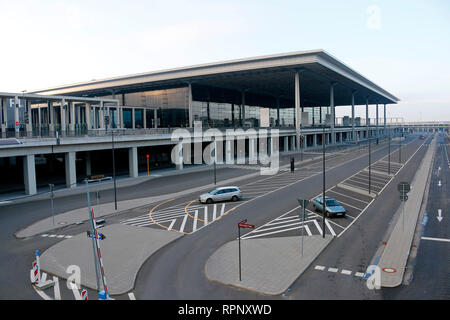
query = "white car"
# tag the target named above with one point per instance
(221, 194)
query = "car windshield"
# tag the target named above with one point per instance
(332, 203)
(214, 191)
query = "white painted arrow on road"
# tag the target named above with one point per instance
(439, 217)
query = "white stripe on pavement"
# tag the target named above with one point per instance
(56, 288)
(183, 223)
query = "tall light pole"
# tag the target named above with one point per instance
(114, 170)
(323, 176)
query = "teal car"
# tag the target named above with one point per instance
(332, 208)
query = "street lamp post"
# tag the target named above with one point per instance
(51, 199)
(323, 175)
(114, 170)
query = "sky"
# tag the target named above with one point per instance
(402, 46)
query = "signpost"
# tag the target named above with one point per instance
(242, 224)
(403, 188)
(303, 203)
(148, 164)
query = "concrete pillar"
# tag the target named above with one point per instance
(16, 114)
(384, 115)
(71, 107)
(229, 151)
(133, 162)
(133, 118)
(144, 118)
(63, 116)
(29, 124)
(292, 146)
(353, 116)
(376, 123)
(71, 169)
(252, 147)
(5, 115)
(367, 117)
(179, 153)
(78, 117)
(297, 109)
(278, 123)
(286, 144)
(29, 174)
(314, 140)
(333, 114)
(102, 115)
(51, 112)
(88, 116)
(191, 116)
(155, 117)
(39, 123)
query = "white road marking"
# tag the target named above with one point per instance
(56, 288)
(321, 268)
(131, 296)
(183, 223)
(68, 237)
(359, 274)
(44, 235)
(194, 227)
(52, 236)
(332, 270)
(318, 227)
(171, 224)
(39, 292)
(436, 239)
(223, 210)
(346, 272)
(365, 202)
(75, 291)
(330, 228)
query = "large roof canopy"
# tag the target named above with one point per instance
(271, 75)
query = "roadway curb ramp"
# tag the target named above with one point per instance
(395, 255)
(124, 251)
(269, 266)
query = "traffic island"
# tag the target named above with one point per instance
(124, 251)
(268, 266)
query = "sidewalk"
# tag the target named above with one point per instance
(269, 266)
(395, 255)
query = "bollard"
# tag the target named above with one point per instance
(292, 164)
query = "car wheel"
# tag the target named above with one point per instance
(327, 214)
(209, 201)
(234, 198)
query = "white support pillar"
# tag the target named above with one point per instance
(252, 147)
(78, 117)
(314, 140)
(353, 116)
(385, 119)
(29, 174)
(292, 148)
(278, 113)
(29, 123)
(102, 115)
(63, 116)
(155, 117)
(71, 170)
(333, 114)
(367, 118)
(5, 115)
(51, 113)
(376, 123)
(179, 153)
(191, 116)
(286, 144)
(71, 107)
(243, 107)
(16, 114)
(88, 116)
(133, 162)
(144, 117)
(297, 109)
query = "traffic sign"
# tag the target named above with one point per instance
(101, 236)
(404, 187)
(243, 224)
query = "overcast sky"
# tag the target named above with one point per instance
(403, 46)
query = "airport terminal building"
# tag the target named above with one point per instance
(62, 135)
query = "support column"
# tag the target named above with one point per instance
(155, 117)
(384, 119)
(144, 117)
(78, 117)
(51, 113)
(39, 123)
(5, 115)
(179, 153)
(16, 114)
(133, 118)
(314, 140)
(333, 115)
(101, 115)
(133, 162)
(88, 116)
(29, 174)
(278, 123)
(63, 116)
(367, 118)
(191, 116)
(376, 123)
(353, 116)
(292, 143)
(71, 170)
(297, 110)
(71, 107)
(29, 123)
(286, 144)
(252, 145)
